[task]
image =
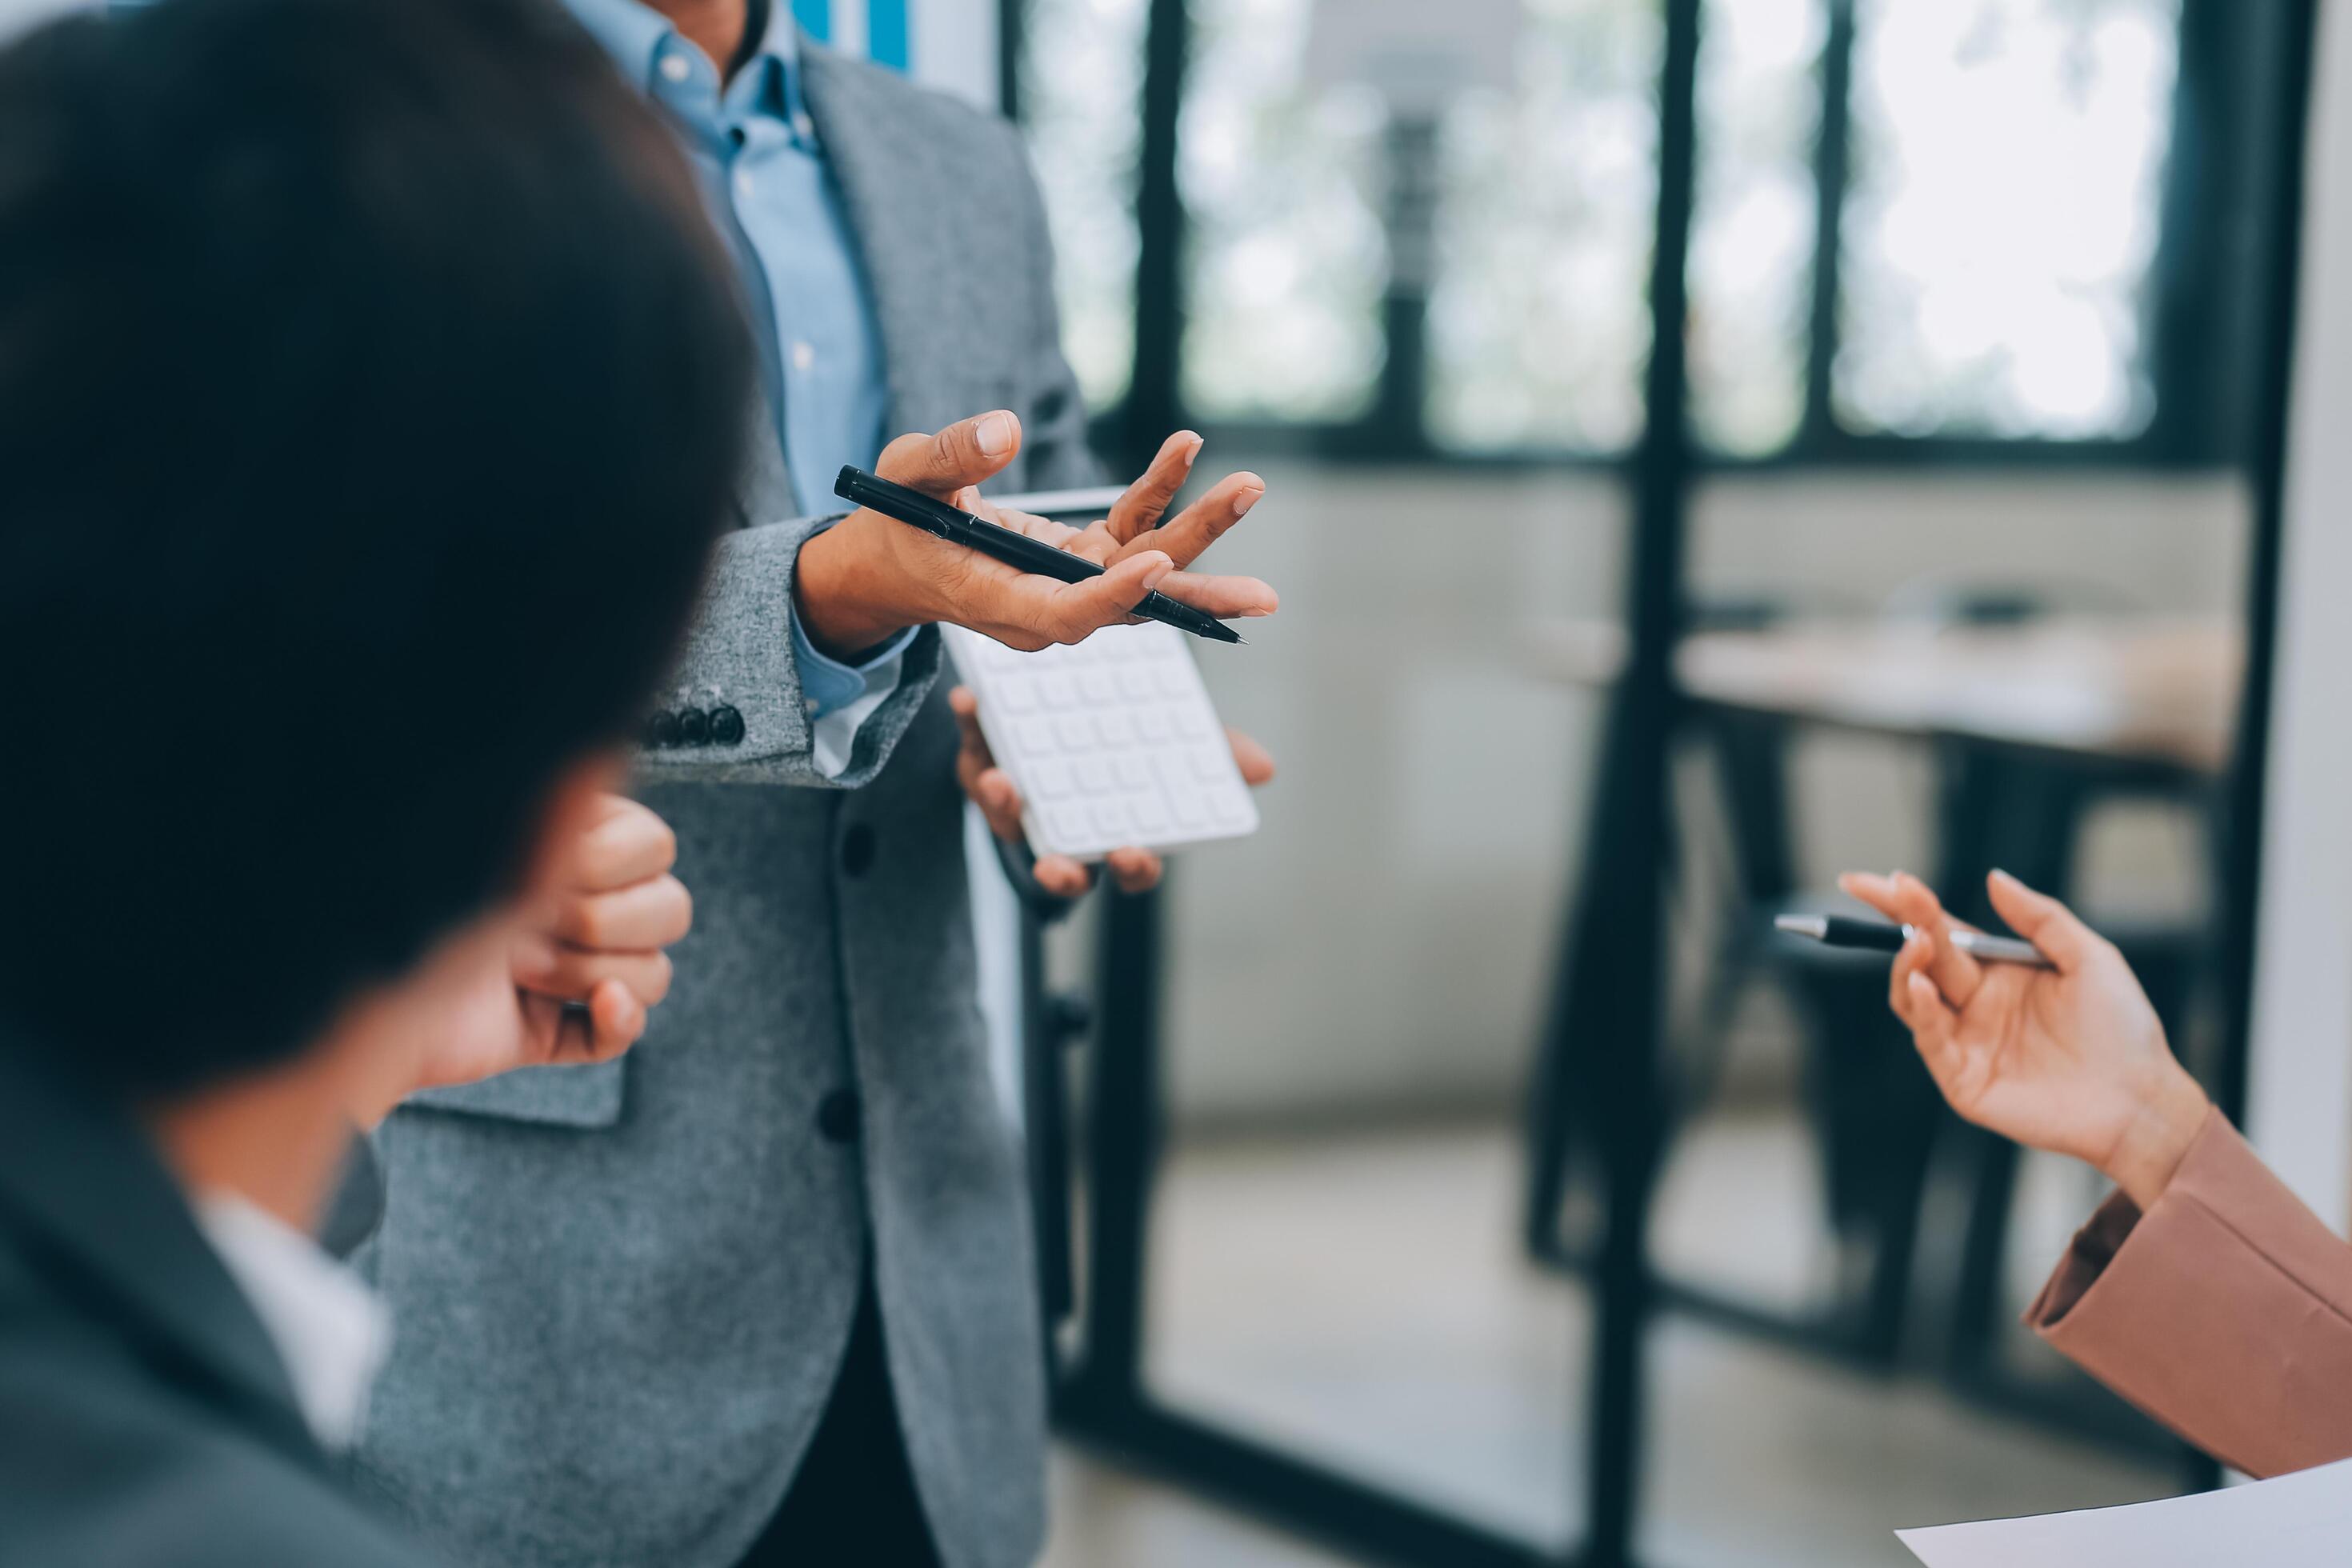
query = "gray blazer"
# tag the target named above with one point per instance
(622, 1292)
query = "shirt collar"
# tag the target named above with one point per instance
(330, 1331)
(772, 73)
(635, 34)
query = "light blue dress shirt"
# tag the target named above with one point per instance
(821, 355)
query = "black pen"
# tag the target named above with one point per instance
(1877, 936)
(1016, 550)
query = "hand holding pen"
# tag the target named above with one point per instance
(868, 577)
(2067, 1056)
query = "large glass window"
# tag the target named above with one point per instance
(2003, 214)
(1081, 82)
(1286, 265)
(1754, 221)
(1539, 323)
(1991, 187)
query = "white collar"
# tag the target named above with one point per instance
(330, 1331)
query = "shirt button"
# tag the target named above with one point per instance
(743, 184)
(676, 68)
(858, 850)
(804, 356)
(838, 1115)
(803, 127)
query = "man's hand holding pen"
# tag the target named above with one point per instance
(867, 578)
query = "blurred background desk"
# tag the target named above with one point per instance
(2125, 689)
(2031, 723)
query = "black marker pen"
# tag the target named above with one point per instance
(1019, 550)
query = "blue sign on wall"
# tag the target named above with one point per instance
(876, 27)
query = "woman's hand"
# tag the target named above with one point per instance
(2072, 1060)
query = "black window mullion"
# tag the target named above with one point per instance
(1832, 165)
(1155, 398)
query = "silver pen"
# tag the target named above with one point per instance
(1878, 936)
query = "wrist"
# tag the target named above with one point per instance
(839, 592)
(2156, 1139)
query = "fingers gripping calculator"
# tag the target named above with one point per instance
(1111, 742)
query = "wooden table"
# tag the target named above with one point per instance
(2159, 690)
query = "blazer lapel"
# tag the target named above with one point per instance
(926, 297)
(765, 492)
(90, 1187)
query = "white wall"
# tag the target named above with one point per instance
(2300, 1087)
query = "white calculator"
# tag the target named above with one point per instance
(1111, 741)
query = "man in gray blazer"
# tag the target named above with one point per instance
(765, 1291)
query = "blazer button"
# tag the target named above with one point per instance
(726, 727)
(661, 729)
(858, 850)
(693, 727)
(838, 1115)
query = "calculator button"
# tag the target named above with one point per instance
(1133, 774)
(1226, 804)
(1136, 682)
(1095, 686)
(1074, 732)
(1192, 723)
(1152, 818)
(1114, 728)
(1169, 678)
(1110, 820)
(1094, 774)
(1208, 767)
(1188, 809)
(1036, 737)
(1152, 725)
(1057, 691)
(1053, 779)
(1019, 696)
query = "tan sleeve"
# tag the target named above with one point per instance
(2225, 1312)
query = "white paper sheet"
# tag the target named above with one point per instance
(2303, 1520)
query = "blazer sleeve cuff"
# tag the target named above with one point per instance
(740, 657)
(2224, 1311)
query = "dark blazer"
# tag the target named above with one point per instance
(145, 1417)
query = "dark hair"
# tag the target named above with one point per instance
(371, 390)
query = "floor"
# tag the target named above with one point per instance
(1105, 1518)
(1363, 1298)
